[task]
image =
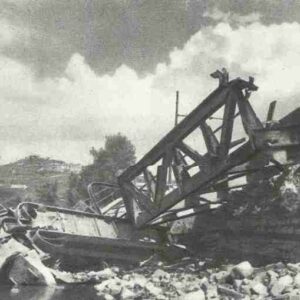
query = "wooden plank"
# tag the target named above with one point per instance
(182, 214)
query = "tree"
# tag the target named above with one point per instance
(48, 192)
(73, 185)
(117, 155)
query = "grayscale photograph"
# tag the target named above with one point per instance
(149, 149)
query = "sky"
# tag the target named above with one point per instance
(72, 72)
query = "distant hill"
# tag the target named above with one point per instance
(22, 179)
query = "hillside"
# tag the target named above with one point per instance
(25, 178)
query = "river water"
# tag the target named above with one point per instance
(59, 292)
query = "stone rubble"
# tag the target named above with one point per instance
(242, 281)
(188, 279)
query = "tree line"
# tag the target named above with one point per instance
(108, 162)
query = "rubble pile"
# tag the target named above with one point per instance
(195, 282)
(188, 279)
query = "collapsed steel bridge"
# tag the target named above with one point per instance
(124, 221)
(263, 151)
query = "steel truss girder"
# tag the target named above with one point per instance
(213, 167)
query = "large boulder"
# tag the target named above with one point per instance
(281, 285)
(297, 280)
(10, 248)
(160, 275)
(220, 277)
(258, 288)
(27, 269)
(197, 295)
(127, 294)
(242, 270)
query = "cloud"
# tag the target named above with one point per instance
(269, 53)
(64, 116)
(230, 17)
(77, 108)
(107, 33)
(7, 33)
(11, 34)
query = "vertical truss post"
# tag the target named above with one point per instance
(211, 141)
(271, 111)
(179, 169)
(162, 172)
(149, 182)
(226, 134)
(249, 118)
